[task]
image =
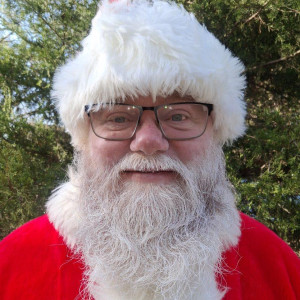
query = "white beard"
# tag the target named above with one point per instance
(145, 241)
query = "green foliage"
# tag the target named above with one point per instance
(264, 167)
(37, 36)
(33, 159)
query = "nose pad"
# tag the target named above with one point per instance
(148, 137)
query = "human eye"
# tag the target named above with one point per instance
(117, 118)
(120, 118)
(177, 117)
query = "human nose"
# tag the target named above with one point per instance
(148, 137)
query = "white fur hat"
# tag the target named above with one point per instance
(150, 48)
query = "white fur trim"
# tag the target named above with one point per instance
(63, 212)
(153, 49)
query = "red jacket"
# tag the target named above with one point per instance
(35, 263)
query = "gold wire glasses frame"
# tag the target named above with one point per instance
(177, 121)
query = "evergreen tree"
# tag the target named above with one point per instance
(38, 36)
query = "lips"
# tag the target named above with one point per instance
(150, 175)
(148, 171)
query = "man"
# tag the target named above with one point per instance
(148, 212)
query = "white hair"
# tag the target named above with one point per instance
(155, 48)
(144, 241)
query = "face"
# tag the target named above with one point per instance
(149, 141)
(134, 218)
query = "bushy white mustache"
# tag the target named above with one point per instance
(108, 176)
(136, 162)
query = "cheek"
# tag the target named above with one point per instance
(106, 152)
(188, 150)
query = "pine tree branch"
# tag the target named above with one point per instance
(5, 37)
(51, 27)
(8, 26)
(291, 10)
(239, 23)
(43, 19)
(273, 62)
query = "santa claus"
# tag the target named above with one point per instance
(148, 212)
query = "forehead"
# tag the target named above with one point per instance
(149, 101)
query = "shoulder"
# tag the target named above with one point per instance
(260, 240)
(34, 260)
(39, 227)
(34, 235)
(29, 244)
(262, 266)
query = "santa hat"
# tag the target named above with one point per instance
(150, 48)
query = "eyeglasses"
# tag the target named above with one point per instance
(177, 121)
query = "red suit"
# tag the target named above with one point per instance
(35, 263)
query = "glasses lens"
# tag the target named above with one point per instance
(183, 121)
(115, 122)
